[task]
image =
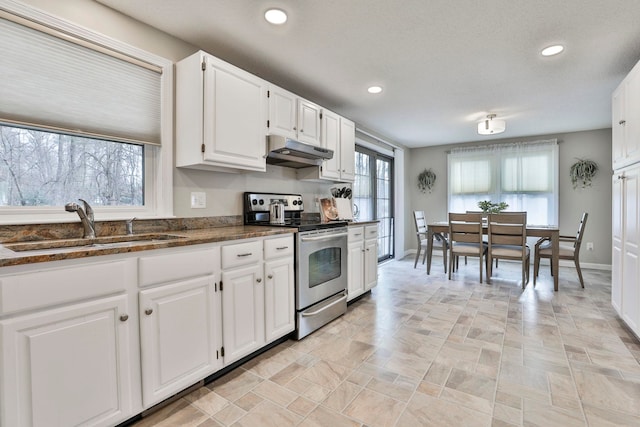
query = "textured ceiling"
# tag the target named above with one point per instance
(444, 64)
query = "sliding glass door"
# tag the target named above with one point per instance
(373, 195)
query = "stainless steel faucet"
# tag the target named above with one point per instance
(86, 216)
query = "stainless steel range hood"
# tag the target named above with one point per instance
(283, 151)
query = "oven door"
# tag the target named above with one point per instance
(322, 265)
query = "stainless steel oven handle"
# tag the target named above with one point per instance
(325, 237)
(313, 313)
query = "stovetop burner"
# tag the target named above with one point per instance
(256, 212)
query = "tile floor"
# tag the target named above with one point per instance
(425, 351)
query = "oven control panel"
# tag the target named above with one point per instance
(259, 202)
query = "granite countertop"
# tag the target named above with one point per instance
(71, 248)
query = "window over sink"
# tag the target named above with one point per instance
(81, 116)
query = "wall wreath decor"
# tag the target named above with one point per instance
(582, 172)
(426, 180)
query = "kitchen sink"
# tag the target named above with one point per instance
(98, 242)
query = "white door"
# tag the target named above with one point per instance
(308, 122)
(178, 333)
(347, 150)
(370, 264)
(242, 312)
(631, 249)
(282, 112)
(355, 266)
(331, 140)
(69, 366)
(235, 128)
(617, 236)
(279, 297)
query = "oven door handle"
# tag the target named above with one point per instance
(325, 237)
(313, 313)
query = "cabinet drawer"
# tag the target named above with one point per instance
(172, 266)
(241, 254)
(60, 285)
(278, 248)
(371, 232)
(356, 234)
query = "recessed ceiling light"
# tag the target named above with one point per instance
(374, 89)
(276, 16)
(552, 50)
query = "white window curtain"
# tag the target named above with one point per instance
(524, 175)
(55, 81)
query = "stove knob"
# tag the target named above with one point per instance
(295, 202)
(254, 202)
(261, 202)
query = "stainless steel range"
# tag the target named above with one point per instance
(321, 258)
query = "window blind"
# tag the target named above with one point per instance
(51, 83)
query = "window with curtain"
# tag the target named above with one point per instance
(80, 117)
(524, 175)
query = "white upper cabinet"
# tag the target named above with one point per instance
(293, 117)
(347, 150)
(220, 116)
(626, 121)
(331, 140)
(309, 115)
(282, 112)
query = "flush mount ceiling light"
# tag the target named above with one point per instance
(276, 16)
(489, 126)
(552, 50)
(374, 89)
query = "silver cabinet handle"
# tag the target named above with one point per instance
(124, 317)
(270, 276)
(245, 254)
(259, 280)
(622, 122)
(148, 311)
(301, 130)
(327, 237)
(282, 248)
(294, 128)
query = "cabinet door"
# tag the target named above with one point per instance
(347, 150)
(279, 298)
(618, 126)
(179, 339)
(234, 117)
(617, 230)
(308, 122)
(282, 112)
(631, 249)
(242, 312)
(68, 366)
(331, 140)
(355, 267)
(632, 117)
(370, 264)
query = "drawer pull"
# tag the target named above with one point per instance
(621, 122)
(244, 255)
(148, 311)
(282, 248)
(358, 234)
(124, 317)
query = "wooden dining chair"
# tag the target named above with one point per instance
(542, 249)
(439, 241)
(507, 232)
(465, 238)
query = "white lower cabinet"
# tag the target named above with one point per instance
(279, 288)
(68, 366)
(179, 336)
(362, 259)
(257, 296)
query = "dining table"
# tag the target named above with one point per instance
(550, 231)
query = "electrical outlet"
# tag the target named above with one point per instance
(198, 200)
(589, 246)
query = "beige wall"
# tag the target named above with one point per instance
(596, 200)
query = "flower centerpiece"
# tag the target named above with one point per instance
(489, 207)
